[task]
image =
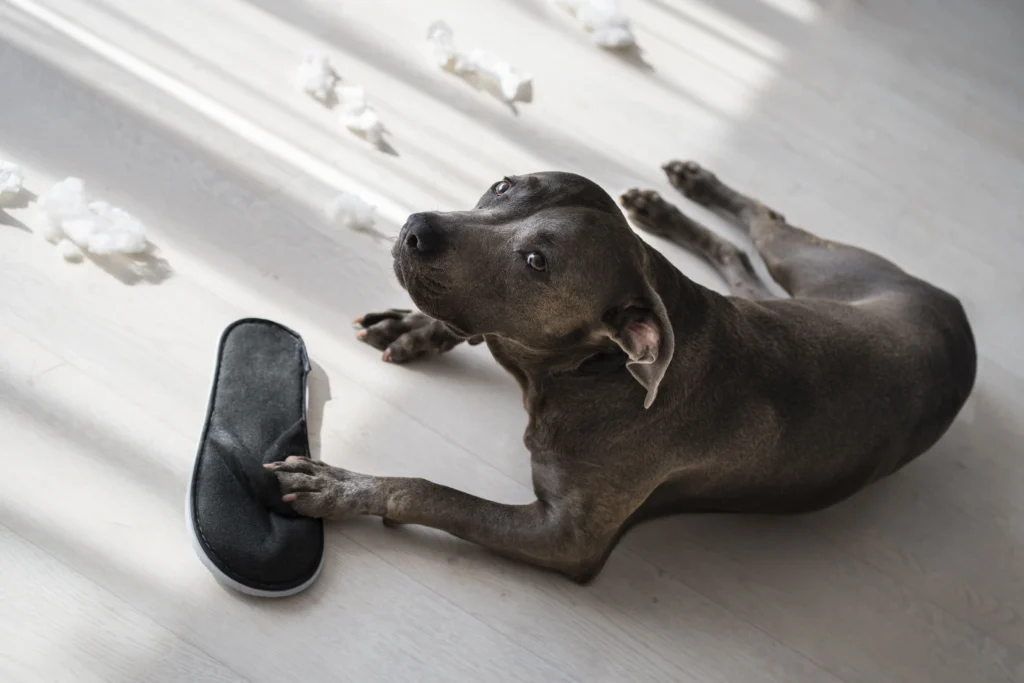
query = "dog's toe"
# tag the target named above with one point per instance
(382, 334)
(690, 178)
(629, 196)
(649, 211)
(405, 349)
(371, 319)
(639, 202)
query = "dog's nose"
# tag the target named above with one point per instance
(421, 234)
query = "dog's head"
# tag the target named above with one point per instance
(546, 260)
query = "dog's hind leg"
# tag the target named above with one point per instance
(804, 264)
(653, 214)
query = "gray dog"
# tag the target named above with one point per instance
(647, 393)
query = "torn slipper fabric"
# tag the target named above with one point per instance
(240, 528)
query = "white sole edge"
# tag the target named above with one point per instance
(227, 580)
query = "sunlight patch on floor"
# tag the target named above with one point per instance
(803, 10)
(215, 111)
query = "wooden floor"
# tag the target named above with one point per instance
(893, 124)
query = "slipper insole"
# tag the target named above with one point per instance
(243, 532)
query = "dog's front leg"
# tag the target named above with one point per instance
(405, 336)
(538, 533)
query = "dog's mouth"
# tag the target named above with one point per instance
(427, 291)
(418, 280)
(399, 272)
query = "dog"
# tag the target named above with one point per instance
(648, 394)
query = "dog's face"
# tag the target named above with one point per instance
(538, 260)
(547, 260)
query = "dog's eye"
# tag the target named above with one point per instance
(502, 187)
(536, 261)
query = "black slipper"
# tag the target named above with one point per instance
(241, 529)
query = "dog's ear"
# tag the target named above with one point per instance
(642, 329)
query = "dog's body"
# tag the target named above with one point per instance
(647, 393)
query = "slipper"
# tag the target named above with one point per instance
(241, 529)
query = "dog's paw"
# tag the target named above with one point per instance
(315, 489)
(695, 182)
(404, 335)
(648, 210)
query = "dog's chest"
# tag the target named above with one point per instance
(585, 414)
